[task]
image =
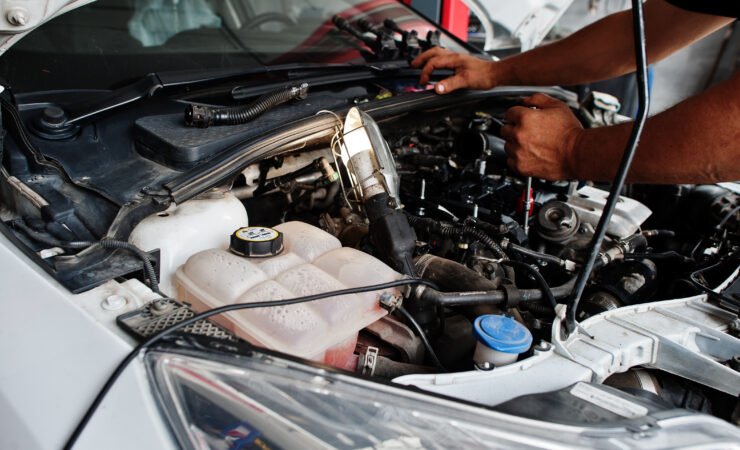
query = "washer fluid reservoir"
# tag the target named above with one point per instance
(308, 261)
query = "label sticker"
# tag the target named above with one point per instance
(258, 234)
(607, 401)
(241, 436)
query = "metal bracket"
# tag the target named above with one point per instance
(371, 358)
(390, 302)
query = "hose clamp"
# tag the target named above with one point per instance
(513, 295)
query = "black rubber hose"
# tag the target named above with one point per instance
(448, 274)
(493, 297)
(671, 254)
(423, 336)
(632, 243)
(535, 254)
(204, 116)
(452, 276)
(539, 309)
(468, 231)
(454, 230)
(546, 291)
(659, 233)
(620, 250)
(151, 275)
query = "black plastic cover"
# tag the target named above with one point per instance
(167, 140)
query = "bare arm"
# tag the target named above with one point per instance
(602, 50)
(696, 141)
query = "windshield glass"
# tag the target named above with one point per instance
(110, 42)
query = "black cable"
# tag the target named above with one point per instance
(423, 337)
(671, 254)
(238, 306)
(204, 116)
(546, 291)
(727, 217)
(458, 230)
(695, 281)
(48, 240)
(535, 254)
(469, 231)
(148, 268)
(151, 275)
(638, 28)
(538, 309)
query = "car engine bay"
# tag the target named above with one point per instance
(365, 185)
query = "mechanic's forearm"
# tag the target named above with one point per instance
(697, 141)
(605, 49)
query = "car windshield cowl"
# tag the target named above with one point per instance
(116, 41)
(243, 83)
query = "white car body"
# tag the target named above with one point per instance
(57, 349)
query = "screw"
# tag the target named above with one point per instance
(160, 305)
(735, 363)
(17, 17)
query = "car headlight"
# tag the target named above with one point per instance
(262, 401)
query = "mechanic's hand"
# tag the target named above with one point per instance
(540, 142)
(470, 72)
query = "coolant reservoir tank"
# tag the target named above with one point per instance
(500, 340)
(311, 262)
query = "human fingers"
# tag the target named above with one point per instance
(437, 62)
(512, 159)
(426, 56)
(515, 113)
(452, 83)
(540, 100)
(512, 163)
(507, 133)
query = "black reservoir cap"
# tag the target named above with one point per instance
(256, 242)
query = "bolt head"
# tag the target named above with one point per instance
(160, 305)
(17, 17)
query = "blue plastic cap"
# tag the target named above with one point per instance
(502, 333)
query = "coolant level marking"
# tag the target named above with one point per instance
(256, 234)
(607, 401)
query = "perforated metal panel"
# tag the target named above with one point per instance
(158, 316)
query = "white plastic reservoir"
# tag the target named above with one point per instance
(312, 262)
(185, 229)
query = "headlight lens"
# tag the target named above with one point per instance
(219, 401)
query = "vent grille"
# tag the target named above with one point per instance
(157, 316)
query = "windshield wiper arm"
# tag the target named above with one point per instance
(329, 77)
(148, 85)
(145, 87)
